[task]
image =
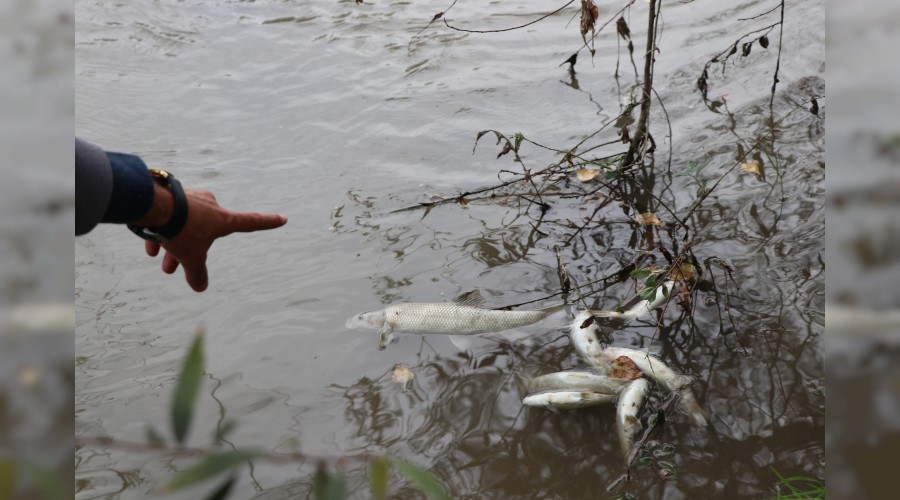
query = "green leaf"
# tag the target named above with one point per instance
(647, 294)
(212, 465)
(519, 138)
(222, 492)
(46, 480)
(188, 387)
(153, 436)
(641, 273)
(7, 478)
(329, 486)
(424, 480)
(378, 477)
(668, 467)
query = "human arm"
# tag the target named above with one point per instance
(118, 188)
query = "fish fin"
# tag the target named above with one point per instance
(471, 298)
(640, 309)
(461, 342)
(552, 409)
(385, 337)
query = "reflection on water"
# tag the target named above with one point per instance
(338, 127)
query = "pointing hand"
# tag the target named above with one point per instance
(206, 222)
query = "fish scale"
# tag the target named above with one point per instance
(455, 319)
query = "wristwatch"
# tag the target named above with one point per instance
(179, 213)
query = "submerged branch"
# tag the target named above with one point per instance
(641, 132)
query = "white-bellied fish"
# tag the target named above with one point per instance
(627, 408)
(655, 369)
(583, 335)
(463, 316)
(640, 307)
(567, 399)
(576, 381)
(586, 327)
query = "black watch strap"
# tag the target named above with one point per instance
(179, 212)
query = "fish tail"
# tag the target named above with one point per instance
(683, 381)
(553, 309)
(691, 407)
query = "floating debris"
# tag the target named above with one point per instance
(403, 376)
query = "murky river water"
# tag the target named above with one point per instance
(335, 114)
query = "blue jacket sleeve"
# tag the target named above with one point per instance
(109, 187)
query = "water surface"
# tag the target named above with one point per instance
(335, 114)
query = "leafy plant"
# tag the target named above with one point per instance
(798, 487)
(215, 462)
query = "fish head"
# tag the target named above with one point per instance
(371, 319)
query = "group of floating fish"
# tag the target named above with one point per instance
(614, 374)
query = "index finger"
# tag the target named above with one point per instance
(247, 222)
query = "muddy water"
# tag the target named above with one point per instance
(335, 114)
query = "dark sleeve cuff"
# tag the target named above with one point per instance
(132, 189)
(93, 185)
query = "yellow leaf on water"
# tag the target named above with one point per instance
(402, 375)
(648, 218)
(752, 167)
(29, 375)
(586, 174)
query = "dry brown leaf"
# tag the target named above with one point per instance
(751, 166)
(589, 14)
(623, 367)
(586, 174)
(648, 218)
(402, 375)
(683, 272)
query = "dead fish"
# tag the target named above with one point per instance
(641, 307)
(463, 316)
(627, 408)
(584, 330)
(402, 375)
(567, 400)
(583, 335)
(655, 369)
(576, 381)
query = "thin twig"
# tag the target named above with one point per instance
(545, 16)
(759, 15)
(740, 160)
(433, 19)
(611, 19)
(778, 61)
